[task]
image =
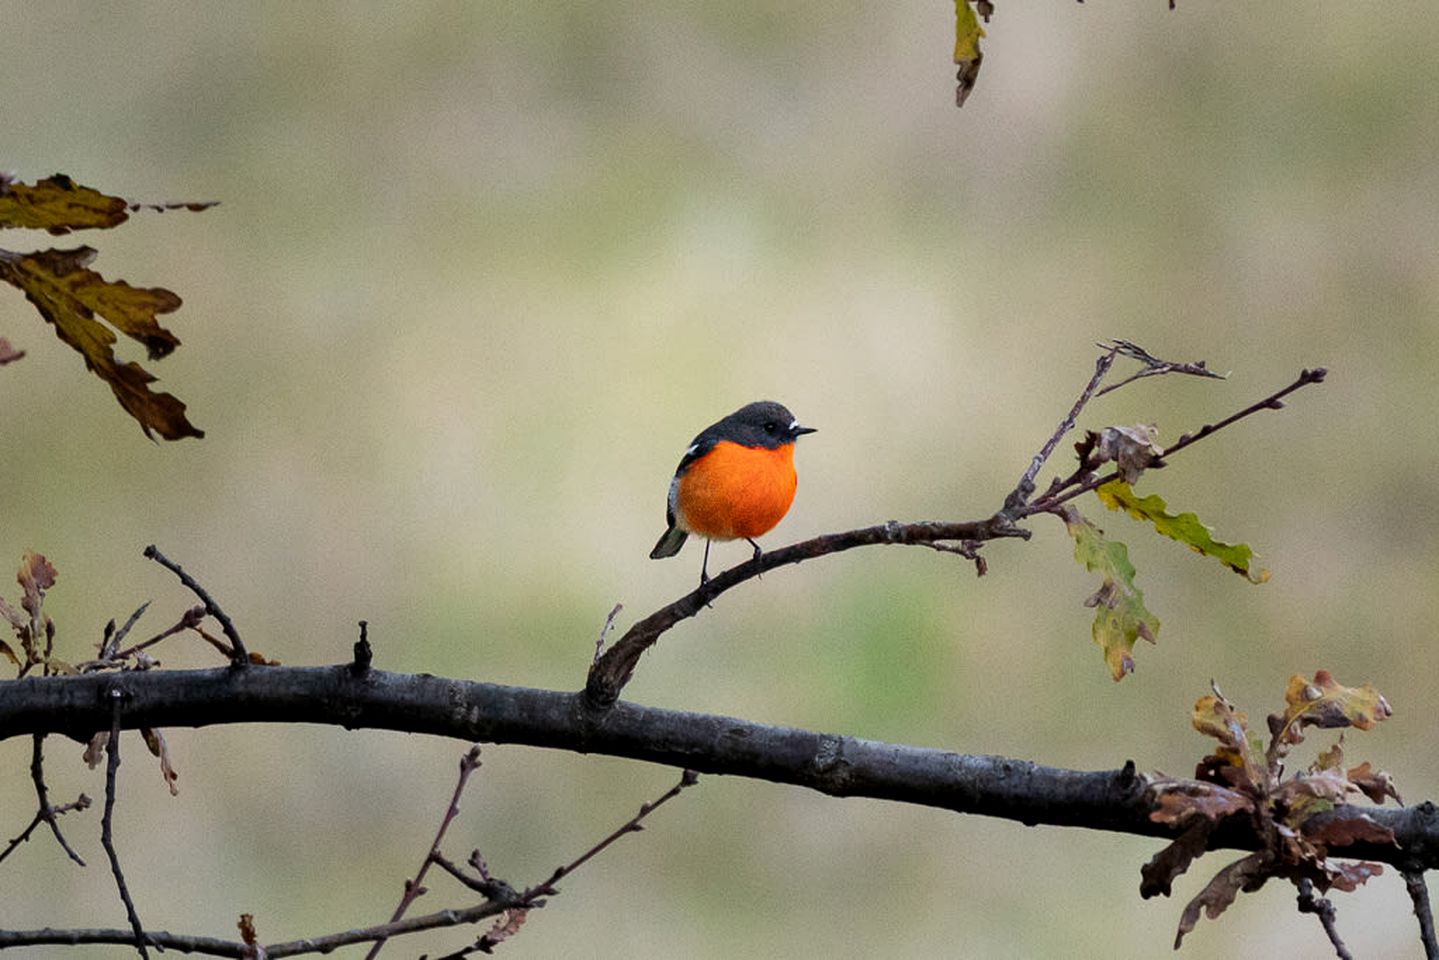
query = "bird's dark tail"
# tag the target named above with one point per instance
(669, 544)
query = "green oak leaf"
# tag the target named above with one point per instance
(1184, 527)
(1120, 617)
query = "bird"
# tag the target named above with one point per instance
(735, 482)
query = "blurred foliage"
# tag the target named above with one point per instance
(480, 269)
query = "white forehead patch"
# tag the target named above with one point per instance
(793, 424)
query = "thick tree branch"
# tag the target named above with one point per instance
(1116, 800)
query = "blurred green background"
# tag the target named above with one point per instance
(482, 270)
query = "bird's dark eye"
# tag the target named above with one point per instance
(771, 427)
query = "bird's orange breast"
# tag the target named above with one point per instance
(736, 491)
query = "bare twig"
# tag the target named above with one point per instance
(1419, 894)
(111, 658)
(605, 631)
(414, 889)
(484, 884)
(46, 813)
(533, 896)
(687, 779)
(1014, 503)
(500, 897)
(239, 656)
(1053, 498)
(113, 640)
(42, 794)
(1153, 366)
(107, 836)
(969, 549)
(234, 948)
(612, 671)
(1322, 908)
(189, 620)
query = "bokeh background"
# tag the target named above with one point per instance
(480, 272)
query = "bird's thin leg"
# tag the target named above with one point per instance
(704, 567)
(757, 551)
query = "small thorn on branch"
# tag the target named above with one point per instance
(364, 655)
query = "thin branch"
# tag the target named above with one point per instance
(500, 897)
(485, 885)
(1275, 401)
(1014, 503)
(110, 658)
(81, 802)
(1322, 908)
(113, 640)
(613, 670)
(1054, 498)
(189, 620)
(239, 656)
(213, 946)
(107, 837)
(1153, 366)
(687, 779)
(1419, 894)
(42, 794)
(414, 889)
(532, 897)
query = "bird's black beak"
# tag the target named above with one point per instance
(797, 430)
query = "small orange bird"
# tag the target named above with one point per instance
(736, 480)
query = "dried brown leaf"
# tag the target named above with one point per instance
(155, 740)
(1331, 785)
(1374, 784)
(1247, 875)
(247, 929)
(35, 576)
(506, 926)
(69, 295)
(1344, 831)
(1324, 702)
(1156, 878)
(1180, 801)
(12, 615)
(1349, 876)
(95, 749)
(1232, 762)
(1131, 448)
(1329, 759)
